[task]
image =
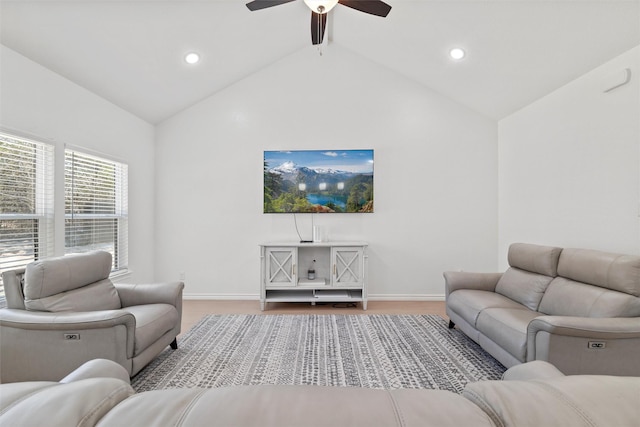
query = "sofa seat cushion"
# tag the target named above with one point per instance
(583, 400)
(152, 321)
(566, 297)
(469, 303)
(507, 327)
(271, 405)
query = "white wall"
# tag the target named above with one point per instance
(38, 103)
(569, 166)
(435, 176)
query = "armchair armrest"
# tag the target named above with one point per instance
(156, 293)
(65, 321)
(13, 288)
(455, 280)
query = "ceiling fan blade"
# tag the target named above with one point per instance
(318, 24)
(263, 4)
(373, 7)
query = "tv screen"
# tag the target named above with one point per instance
(318, 181)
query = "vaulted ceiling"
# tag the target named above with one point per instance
(132, 52)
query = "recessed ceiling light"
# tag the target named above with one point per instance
(192, 58)
(457, 53)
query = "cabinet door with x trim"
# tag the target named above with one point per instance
(281, 267)
(348, 267)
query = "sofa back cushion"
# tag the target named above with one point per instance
(80, 403)
(575, 400)
(607, 270)
(566, 297)
(71, 283)
(532, 269)
(523, 286)
(534, 258)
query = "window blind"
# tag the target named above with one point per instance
(96, 206)
(26, 201)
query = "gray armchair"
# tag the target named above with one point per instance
(62, 312)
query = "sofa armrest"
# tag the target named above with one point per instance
(156, 293)
(455, 280)
(535, 370)
(585, 345)
(588, 327)
(98, 368)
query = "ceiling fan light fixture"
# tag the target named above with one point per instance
(321, 6)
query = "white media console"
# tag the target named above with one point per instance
(340, 272)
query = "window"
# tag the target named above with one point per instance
(26, 201)
(96, 208)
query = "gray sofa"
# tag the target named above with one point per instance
(533, 394)
(578, 309)
(62, 312)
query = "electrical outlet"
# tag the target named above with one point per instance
(181, 276)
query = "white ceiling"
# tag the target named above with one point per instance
(131, 52)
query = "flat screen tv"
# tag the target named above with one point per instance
(318, 181)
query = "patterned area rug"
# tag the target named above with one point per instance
(372, 351)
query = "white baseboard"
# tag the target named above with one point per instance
(405, 297)
(221, 297)
(372, 297)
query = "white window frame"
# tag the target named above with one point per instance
(120, 213)
(43, 245)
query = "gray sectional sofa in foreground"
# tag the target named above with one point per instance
(578, 309)
(533, 394)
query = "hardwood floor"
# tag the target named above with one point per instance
(193, 310)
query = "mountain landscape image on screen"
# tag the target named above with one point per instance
(318, 181)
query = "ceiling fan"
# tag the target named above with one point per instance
(319, 9)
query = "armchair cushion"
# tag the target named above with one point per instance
(152, 322)
(55, 275)
(96, 296)
(71, 283)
